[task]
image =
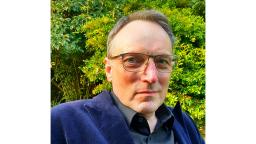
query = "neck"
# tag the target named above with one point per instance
(152, 120)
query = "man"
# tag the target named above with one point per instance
(138, 64)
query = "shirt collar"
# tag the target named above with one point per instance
(165, 116)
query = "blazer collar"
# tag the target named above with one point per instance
(109, 119)
(179, 128)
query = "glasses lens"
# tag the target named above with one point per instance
(163, 63)
(133, 61)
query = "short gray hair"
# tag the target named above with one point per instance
(146, 15)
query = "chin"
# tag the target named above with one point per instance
(147, 107)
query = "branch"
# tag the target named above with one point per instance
(55, 84)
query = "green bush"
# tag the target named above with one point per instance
(79, 32)
(187, 83)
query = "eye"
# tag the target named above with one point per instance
(133, 60)
(163, 62)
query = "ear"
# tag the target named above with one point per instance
(108, 69)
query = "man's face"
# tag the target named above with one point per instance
(142, 91)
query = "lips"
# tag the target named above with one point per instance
(147, 92)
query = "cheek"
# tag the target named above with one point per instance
(124, 80)
(130, 77)
(124, 76)
(164, 81)
(124, 85)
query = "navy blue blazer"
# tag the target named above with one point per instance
(98, 121)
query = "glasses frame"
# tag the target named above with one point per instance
(173, 59)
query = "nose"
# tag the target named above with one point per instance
(150, 73)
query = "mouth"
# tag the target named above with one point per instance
(147, 92)
(146, 95)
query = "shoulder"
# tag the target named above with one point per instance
(79, 105)
(187, 124)
(68, 111)
(69, 106)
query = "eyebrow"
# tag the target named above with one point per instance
(145, 54)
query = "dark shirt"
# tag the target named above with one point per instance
(139, 128)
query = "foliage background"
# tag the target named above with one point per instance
(79, 30)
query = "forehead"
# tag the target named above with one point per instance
(143, 37)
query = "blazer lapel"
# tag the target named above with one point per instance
(109, 119)
(179, 129)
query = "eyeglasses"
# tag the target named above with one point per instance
(136, 62)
